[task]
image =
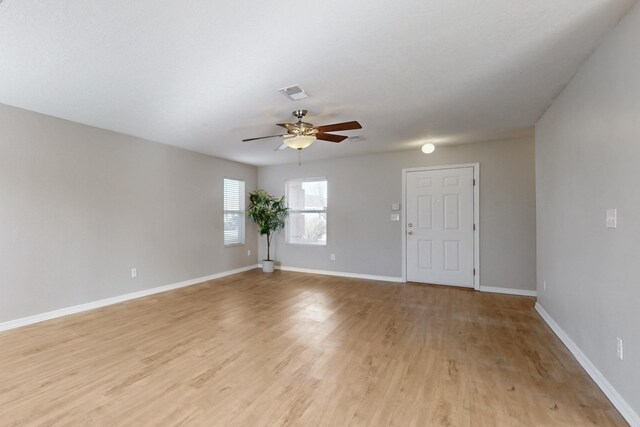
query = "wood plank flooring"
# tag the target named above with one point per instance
(295, 349)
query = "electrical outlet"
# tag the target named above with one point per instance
(332, 257)
(134, 273)
(544, 285)
(249, 252)
(619, 348)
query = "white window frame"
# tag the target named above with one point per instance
(241, 211)
(286, 190)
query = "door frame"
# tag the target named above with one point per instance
(476, 215)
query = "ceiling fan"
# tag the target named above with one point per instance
(300, 135)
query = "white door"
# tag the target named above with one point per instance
(439, 226)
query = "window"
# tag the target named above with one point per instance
(233, 212)
(307, 202)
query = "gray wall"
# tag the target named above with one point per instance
(80, 206)
(588, 160)
(361, 190)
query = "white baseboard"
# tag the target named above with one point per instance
(341, 274)
(12, 324)
(509, 291)
(394, 279)
(621, 405)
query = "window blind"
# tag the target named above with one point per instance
(233, 212)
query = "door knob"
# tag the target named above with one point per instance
(410, 233)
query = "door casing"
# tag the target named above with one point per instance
(476, 216)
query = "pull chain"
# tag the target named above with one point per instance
(299, 157)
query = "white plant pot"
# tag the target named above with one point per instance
(268, 266)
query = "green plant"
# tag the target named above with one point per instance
(269, 214)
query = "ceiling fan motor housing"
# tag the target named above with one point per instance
(299, 114)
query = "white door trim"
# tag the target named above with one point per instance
(476, 215)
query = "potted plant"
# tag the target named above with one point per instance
(269, 214)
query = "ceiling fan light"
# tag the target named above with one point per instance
(428, 148)
(299, 142)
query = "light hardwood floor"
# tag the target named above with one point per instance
(296, 349)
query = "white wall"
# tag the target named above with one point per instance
(361, 190)
(80, 206)
(588, 160)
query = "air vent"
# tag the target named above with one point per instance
(294, 93)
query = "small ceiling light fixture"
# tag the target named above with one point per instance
(428, 148)
(299, 142)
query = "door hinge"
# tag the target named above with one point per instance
(474, 271)
(474, 182)
(474, 227)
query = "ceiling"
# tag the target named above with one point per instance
(203, 74)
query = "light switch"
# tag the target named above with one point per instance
(395, 207)
(612, 218)
(395, 217)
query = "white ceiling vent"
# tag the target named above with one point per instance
(294, 93)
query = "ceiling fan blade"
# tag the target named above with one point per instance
(263, 137)
(281, 147)
(339, 126)
(287, 126)
(329, 137)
